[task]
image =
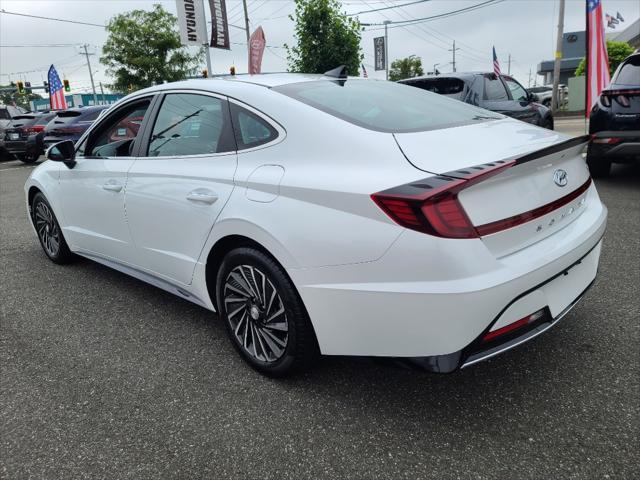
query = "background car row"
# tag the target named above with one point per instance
(26, 136)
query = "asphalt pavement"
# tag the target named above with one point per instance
(103, 376)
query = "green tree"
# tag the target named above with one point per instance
(143, 49)
(406, 68)
(617, 52)
(326, 38)
(21, 100)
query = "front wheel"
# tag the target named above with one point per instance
(265, 319)
(49, 232)
(31, 156)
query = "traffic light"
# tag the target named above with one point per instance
(20, 87)
(27, 87)
(232, 70)
(67, 87)
(205, 73)
(46, 87)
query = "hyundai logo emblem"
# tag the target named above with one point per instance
(560, 177)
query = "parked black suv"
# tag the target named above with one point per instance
(21, 135)
(7, 113)
(614, 124)
(501, 94)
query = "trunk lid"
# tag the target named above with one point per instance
(525, 202)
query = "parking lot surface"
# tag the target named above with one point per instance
(103, 376)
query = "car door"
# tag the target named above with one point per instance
(92, 191)
(495, 96)
(178, 186)
(523, 108)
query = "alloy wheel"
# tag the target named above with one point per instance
(256, 313)
(47, 229)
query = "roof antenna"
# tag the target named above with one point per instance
(339, 72)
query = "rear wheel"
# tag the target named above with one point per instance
(49, 232)
(598, 166)
(264, 316)
(29, 157)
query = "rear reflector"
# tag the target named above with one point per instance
(606, 140)
(513, 326)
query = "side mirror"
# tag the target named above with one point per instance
(64, 152)
(533, 97)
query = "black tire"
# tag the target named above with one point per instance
(297, 347)
(49, 232)
(598, 166)
(29, 157)
(547, 123)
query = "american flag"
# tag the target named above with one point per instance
(496, 63)
(56, 91)
(364, 72)
(597, 58)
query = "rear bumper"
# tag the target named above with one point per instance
(480, 350)
(430, 297)
(627, 144)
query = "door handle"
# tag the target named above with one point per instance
(112, 186)
(201, 195)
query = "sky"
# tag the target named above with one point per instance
(524, 29)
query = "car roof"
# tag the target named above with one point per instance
(226, 83)
(459, 75)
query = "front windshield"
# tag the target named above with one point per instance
(385, 106)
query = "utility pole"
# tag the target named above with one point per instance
(558, 57)
(529, 84)
(102, 93)
(386, 48)
(454, 55)
(93, 85)
(205, 44)
(246, 21)
(509, 66)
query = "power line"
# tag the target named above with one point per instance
(404, 23)
(387, 7)
(51, 18)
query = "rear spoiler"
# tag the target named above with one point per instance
(550, 150)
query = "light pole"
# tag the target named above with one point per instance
(434, 68)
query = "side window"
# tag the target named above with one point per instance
(494, 88)
(115, 136)
(518, 93)
(191, 124)
(251, 130)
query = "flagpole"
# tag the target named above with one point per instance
(586, 63)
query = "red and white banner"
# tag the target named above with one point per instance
(597, 58)
(257, 43)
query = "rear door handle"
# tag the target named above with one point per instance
(202, 195)
(112, 186)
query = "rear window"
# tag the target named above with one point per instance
(452, 87)
(385, 106)
(629, 73)
(43, 120)
(4, 114)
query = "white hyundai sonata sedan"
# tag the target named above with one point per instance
(330, 215)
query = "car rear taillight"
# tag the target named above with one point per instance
(70, 130)
(432, 205)
(523, 322)
(623, 100)
(606, 140)
(605, 100)
(33, 129)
